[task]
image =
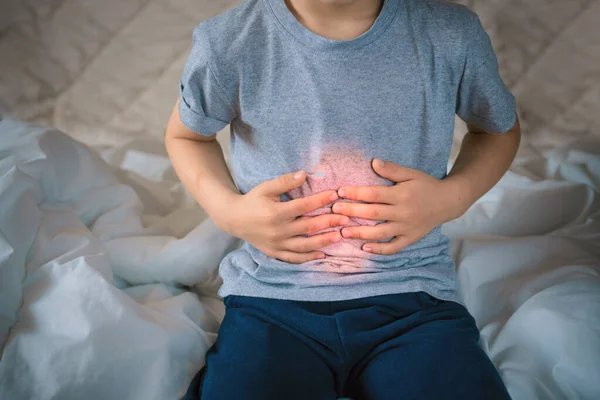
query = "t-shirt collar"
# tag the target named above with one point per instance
(294, 27)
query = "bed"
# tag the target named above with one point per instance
(108, 268)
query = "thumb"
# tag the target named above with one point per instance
(394, 172)
(283, 184)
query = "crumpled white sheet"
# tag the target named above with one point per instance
(71, 227)
(68, 228)
(528, 257)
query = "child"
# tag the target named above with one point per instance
(342, 116)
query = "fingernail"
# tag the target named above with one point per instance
(336, 238)
(321, 256)
(367, 248)
(335, 207)
(379, 163)
(347, 233)
(344, 221)
(298, 174)
(342, 192)
(333, 196)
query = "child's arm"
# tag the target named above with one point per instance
(419, 202)
(483, 159)
(258, 217)
(199, 162)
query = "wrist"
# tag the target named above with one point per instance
(224, 212)
(458, 192)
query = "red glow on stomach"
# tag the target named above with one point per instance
(335, 170)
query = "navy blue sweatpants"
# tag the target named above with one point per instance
(402, 346)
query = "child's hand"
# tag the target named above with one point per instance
(412, 208)
(276, 228)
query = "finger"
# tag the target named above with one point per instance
(369, 194)
(394, 172)
(377, 232)
(305, 205)
(312, 225)
(299, 258)
(392, 247)
(282, 184)
(302, 244)
(375, 212)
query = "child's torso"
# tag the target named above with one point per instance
(332, 112)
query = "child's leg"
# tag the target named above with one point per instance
(259, 356)
(437, 356)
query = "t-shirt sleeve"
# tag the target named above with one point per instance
(204, 107)
(483, 98)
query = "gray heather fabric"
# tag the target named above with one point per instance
(299, 101)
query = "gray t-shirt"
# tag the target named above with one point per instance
(299, 101)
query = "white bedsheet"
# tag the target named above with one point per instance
(67, 227)
(71, 227)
